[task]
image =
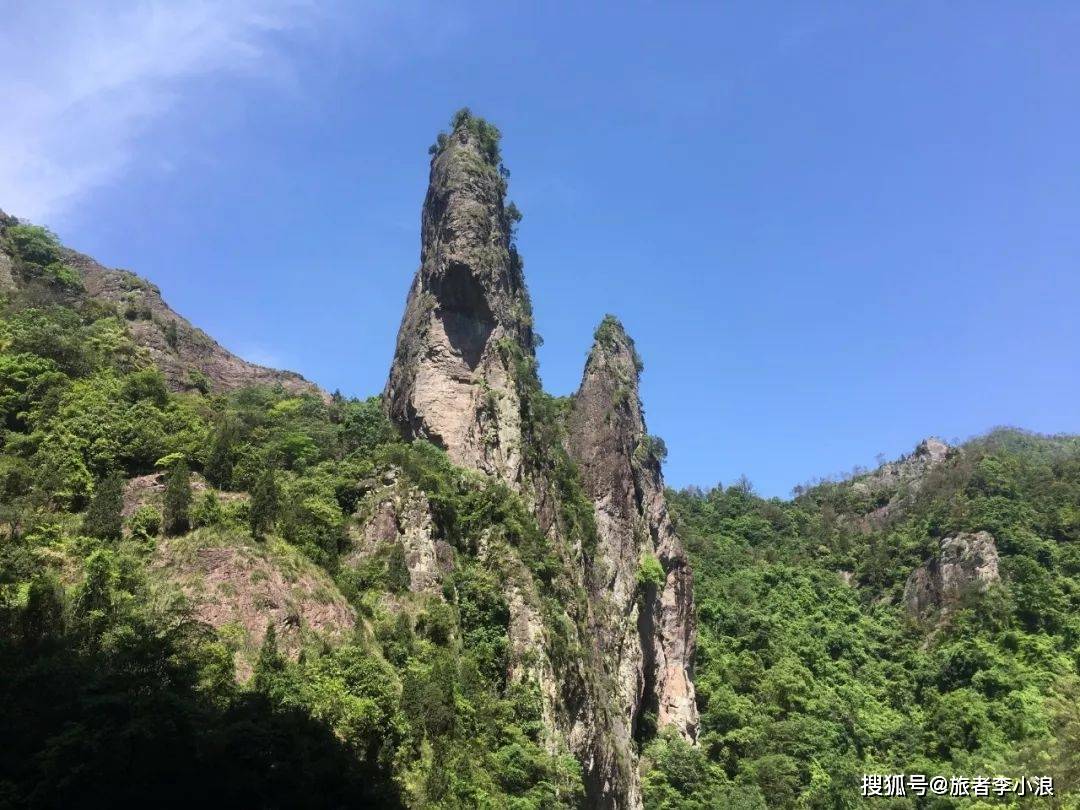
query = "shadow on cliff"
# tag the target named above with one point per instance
(134, 727)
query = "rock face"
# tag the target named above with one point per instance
(966, 562)
(187, 356)
(911, 469)
(895, 484)
(452, 378)
(244, 588)
(464, 378)
(650, 632)
(398, 513)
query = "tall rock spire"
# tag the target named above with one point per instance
(452, 381)
(464, 377)
(639, 565)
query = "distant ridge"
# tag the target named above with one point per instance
(188, 357)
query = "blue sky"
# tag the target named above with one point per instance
(832, 228)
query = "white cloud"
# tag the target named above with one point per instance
(79, 83)
(261, 356)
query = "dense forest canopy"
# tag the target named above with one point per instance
(811, 672)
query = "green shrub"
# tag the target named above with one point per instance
(651, 447)
(650, 572)
(397, 569)
(104, 519)
(207, 511)
(63, 276)
(33, 244)
(145, 523)
(176, 518)
(486, 134)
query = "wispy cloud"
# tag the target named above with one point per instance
(80, 82)
(261, 355)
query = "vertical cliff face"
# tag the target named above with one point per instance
(640, 569)
(605, 638)
(450, 382)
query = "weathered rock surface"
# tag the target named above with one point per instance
(452, 380)
(910, 469)
(464, 378)
(241, 589)
(965, 562)
(895, 484)
(398, 513)
(180, 350)
(646, 627)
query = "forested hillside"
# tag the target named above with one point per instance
(149, 539)
(231, 588)
(812, 668)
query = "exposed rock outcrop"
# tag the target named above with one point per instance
(895, 484)
(647, 625)
(464, 378)
(187, 356)
(966, 562)
(240, 589)
(399, 513)
(909, 470)
(452, 381)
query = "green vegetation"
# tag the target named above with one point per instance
(115, 689)
(104, 519)
(805, 682)
(113, 692)
(176, 517)
(38, 257)
(264, 504)
(485, 133)
(650, 572)
(610, 335)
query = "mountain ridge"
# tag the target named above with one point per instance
(172, 342)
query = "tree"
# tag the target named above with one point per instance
(43, 615)
(176, 516)
(104, 518)
(219, 466)
(264, 504)
(94, 600)
(271, 662)
(397, 569)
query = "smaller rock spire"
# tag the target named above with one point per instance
(620, 470)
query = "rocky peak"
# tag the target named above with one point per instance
(927, 454)
(895, 484)
(463, 377)
(932, 450)
(468, 318)
(639, 566)
(188, 357)
(607, 416)
(965, 562)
